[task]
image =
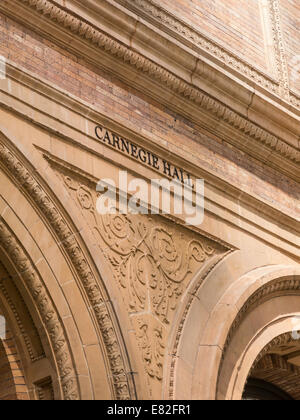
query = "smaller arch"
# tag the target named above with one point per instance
(218, 328)
(242, 368)
(257, 389)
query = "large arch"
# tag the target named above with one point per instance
(251, 312)
(35, 296)
(36, 223)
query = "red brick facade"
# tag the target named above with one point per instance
(144, 304)
(290, 12)
(114, 99)
(233, 23)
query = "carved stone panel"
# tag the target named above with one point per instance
(153, 261)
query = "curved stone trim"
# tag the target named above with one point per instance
(261, 295)
(46, 309)
(160, 74)
(14, 308)
(281, 340)
(73, 249)
(191, 298)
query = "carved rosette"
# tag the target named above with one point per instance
(17, 170)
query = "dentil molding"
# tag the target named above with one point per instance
(152, 9)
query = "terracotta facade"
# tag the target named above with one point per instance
(144, 306)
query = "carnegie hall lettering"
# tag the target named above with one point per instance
(143, 155)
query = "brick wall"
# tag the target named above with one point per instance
(235, 24)
(114, 99)
(12, 382)
(290, 21)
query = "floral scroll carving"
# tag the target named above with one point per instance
(152, 260)
(151, 342)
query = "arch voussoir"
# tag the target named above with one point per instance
(24, 175)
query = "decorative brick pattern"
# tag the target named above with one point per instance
(290, 23)
(235, 24)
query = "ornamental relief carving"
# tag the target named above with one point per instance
(152, 260)
(151, 340)
(45, 308)
(27, 182)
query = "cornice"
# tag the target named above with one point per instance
(276, 288)
(278, 84)
(231, 119)
(42, 88)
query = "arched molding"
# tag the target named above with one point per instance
(23, 167)
(216, 329)
(272, 297)
(281, 340)
(278, 287)
(242, 368)
(44, 305)
(13, 303)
